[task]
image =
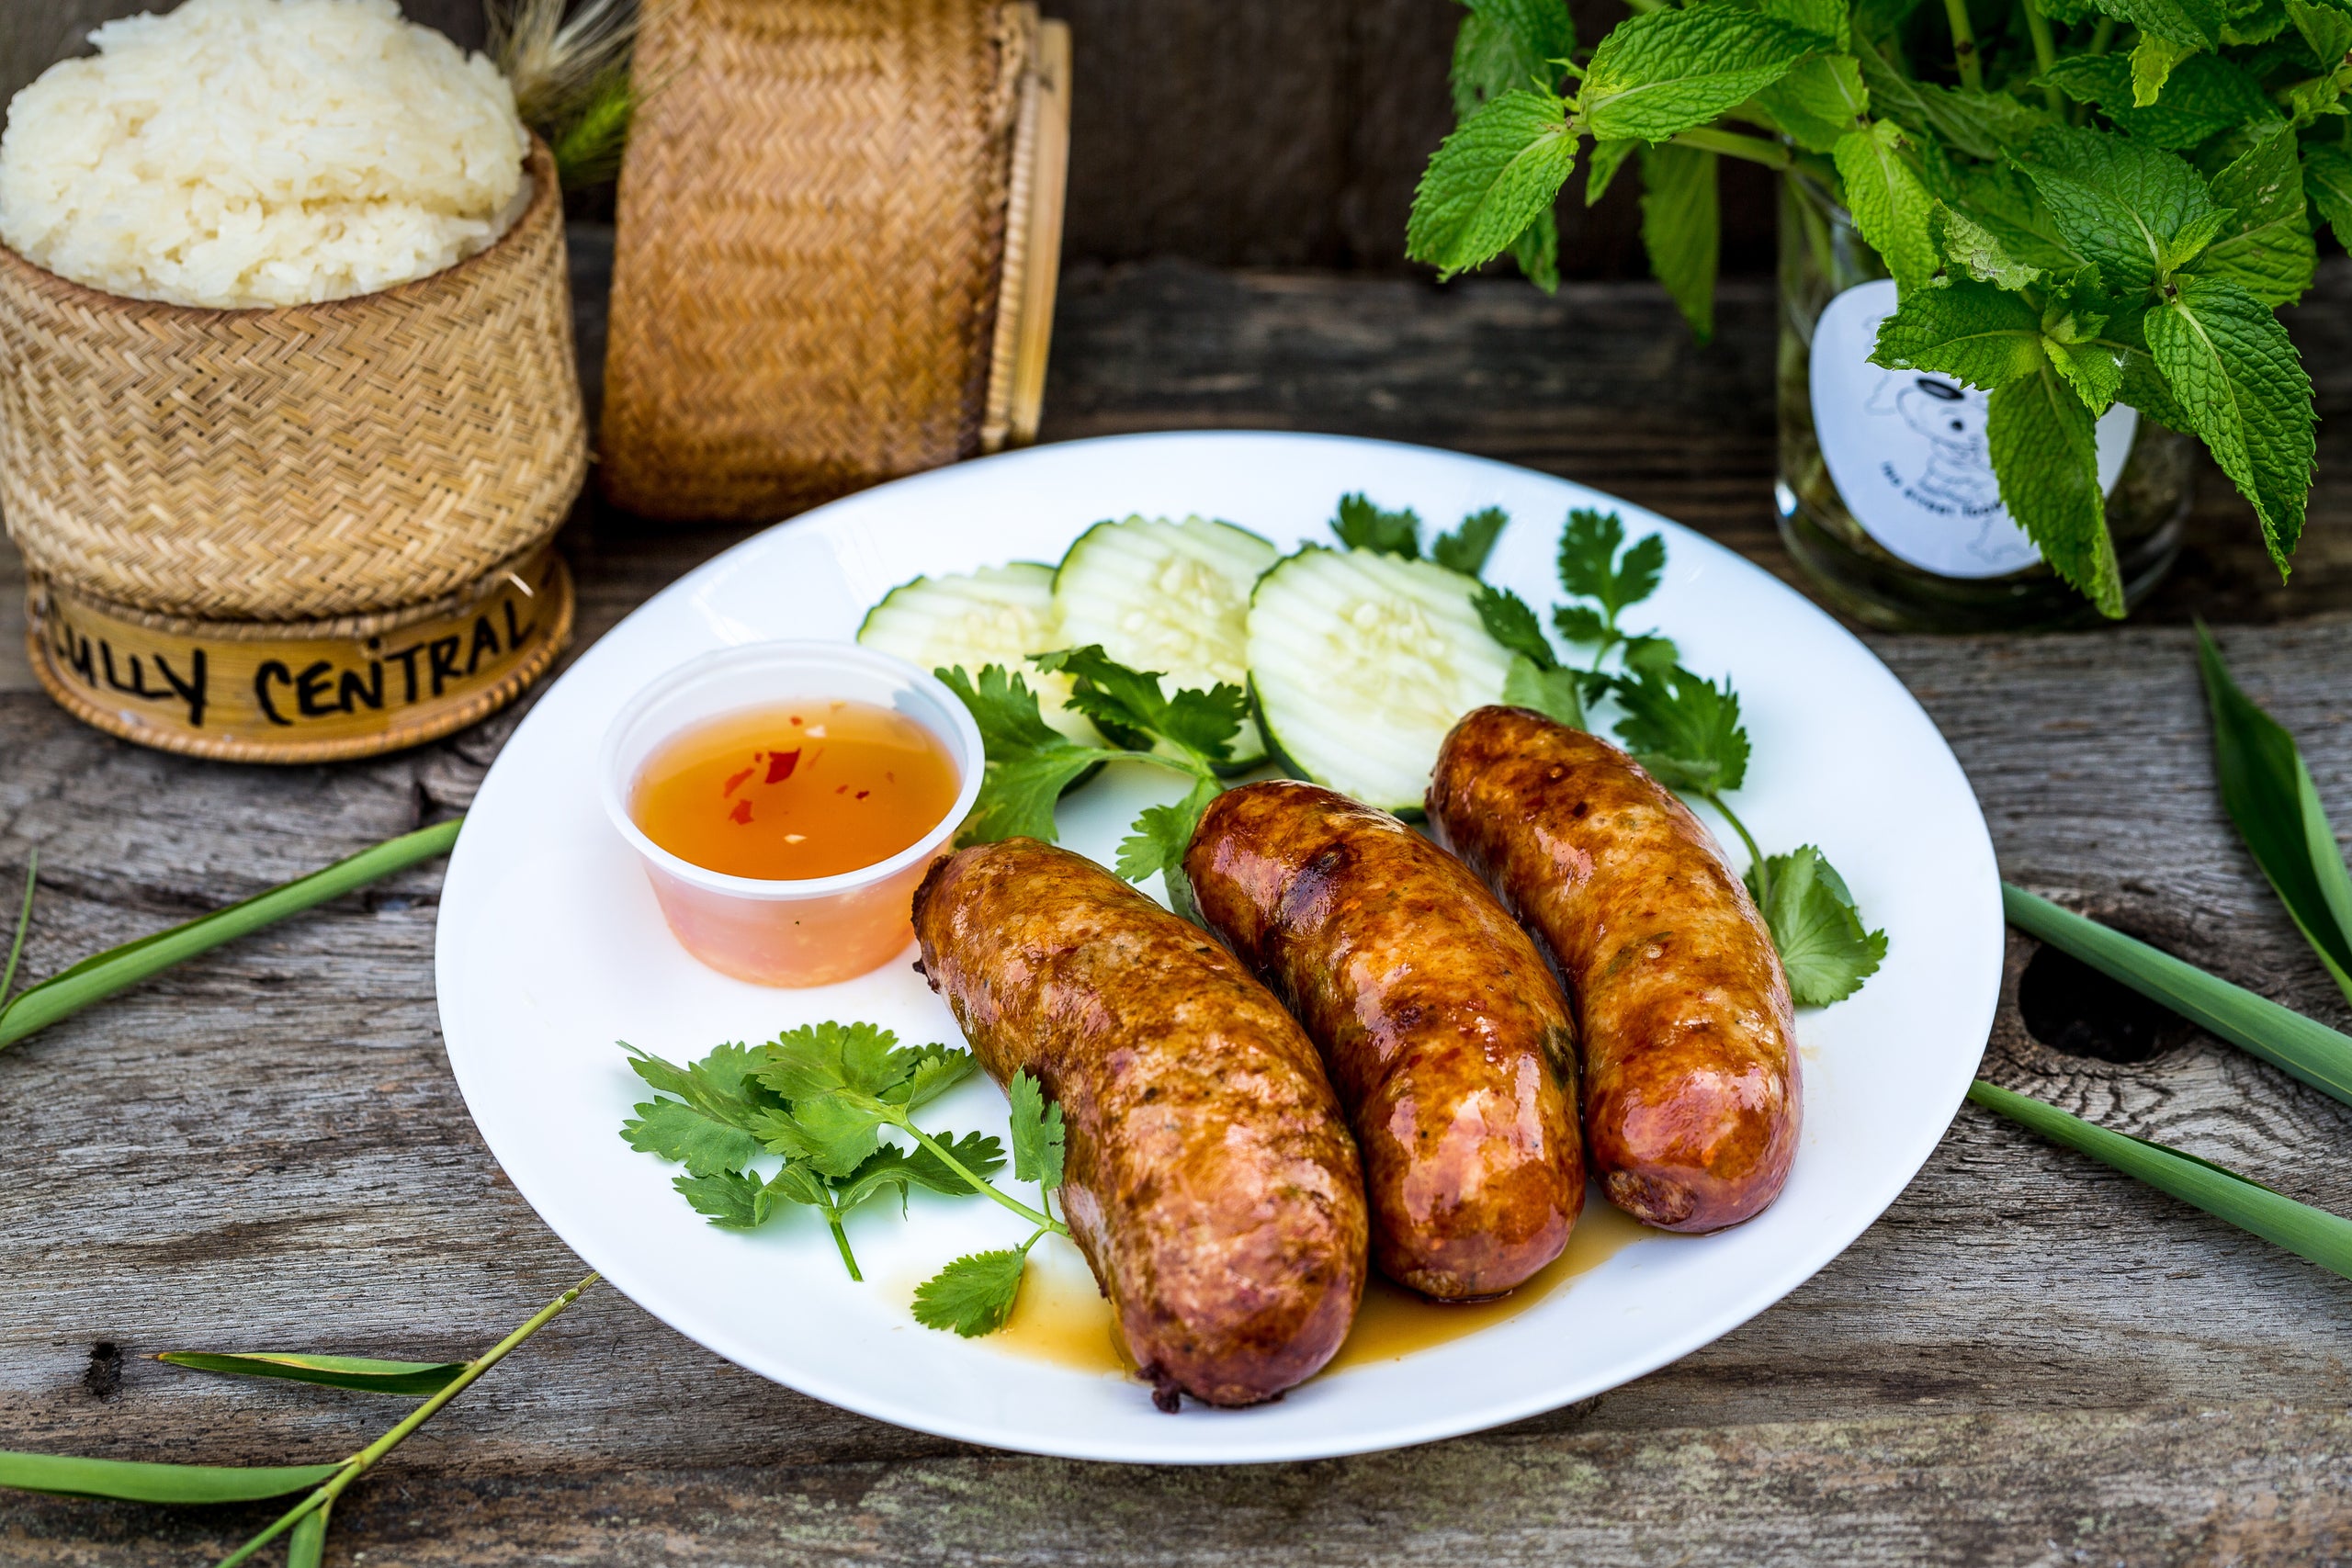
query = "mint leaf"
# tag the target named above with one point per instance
(1029, 762)
(2046, 457)
(1550, 691)
(1590, 567)
(1978, 251)
(1826, 18)
(1684, 730)
(2191, 22)
(1680, 230)
(2119, 204)
(1472, 540)
(1037, 1134)
(1537, 251)
(2265, 248)
(2153, 59)
(2003, 201)
(1890, 207)
(1983, 125)
(1669, 70)
(675, 1130)
(1601, 166)
(1981, 335)
(1505, 44)
(2327, 181)
(2241, 386)
(1814, 926)
(2145, 388)
(974, 1295)
(1361, 525)
(2206, 97)
(2325, 31)
(1489, 180)
(1819, 100)
(1510, 623)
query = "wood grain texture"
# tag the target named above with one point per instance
(2030, 1358)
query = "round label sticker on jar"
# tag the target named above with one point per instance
(1908, 453)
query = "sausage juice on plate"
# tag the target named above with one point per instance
(1209, 1178)
(1446, 1036)
(1691, 1092)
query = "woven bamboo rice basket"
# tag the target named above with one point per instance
(225, 514)
(839, 227)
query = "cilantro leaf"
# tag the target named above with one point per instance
(1489, 180)
(1889, 203)
(936, 1072)
(1814, 926)
(822, 1058)
(2121, 205)
(1465, 549)
(1509, 622)
(1682, 230)
(1037, 1133)
(676, 1131)
(1975, 332)
(974, 1295)
(890, 1168)
(1555, 692)
(1684, 730)
(2241, 386)
(728, 1199)
(2266, 247)
(1361, 525)
(1669, 70)
(1161, 834)
(1029, 762)
(1128, 705)
(1590, 567)
(2045, 455)
(1580, 624)
(1650, 652)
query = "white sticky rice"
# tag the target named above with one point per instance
(253, 153)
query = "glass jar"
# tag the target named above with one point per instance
(1917, 541)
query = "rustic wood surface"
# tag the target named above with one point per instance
(2029, 1358)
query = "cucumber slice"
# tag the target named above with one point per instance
(1361, 661)
(998, 614)
(1168, 597)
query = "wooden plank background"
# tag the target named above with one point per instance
(1234, 133)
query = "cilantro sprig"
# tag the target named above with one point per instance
(1361, 525)
(1686, 730)
(1190, 732)
(2109, 207)
(821, 1097)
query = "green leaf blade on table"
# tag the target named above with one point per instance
(367, 1375)
(102, 974)
(2268, 790)
(131, 1481)
(2045, 454)
(1489, 181)
(973, 1296)
(1681, 229)
(1890, 207)
(2240, 383)
(2313, 1233)
(2304, 1047)
(1667, 71)
(306, 1547)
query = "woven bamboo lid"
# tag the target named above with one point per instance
(818, 236)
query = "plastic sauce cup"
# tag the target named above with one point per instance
(807, 932)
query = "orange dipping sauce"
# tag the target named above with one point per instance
(797, 791)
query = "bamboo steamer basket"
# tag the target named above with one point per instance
(839, 228)
(255, 534)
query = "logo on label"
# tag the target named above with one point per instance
(1907, 449)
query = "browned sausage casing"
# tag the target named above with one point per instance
(1209, 1177)
(1445, 1034)
(1691, 1093)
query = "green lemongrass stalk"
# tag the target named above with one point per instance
(2314, 1233)
(97, 978)
(359, 1463)
(137, 1481)
(307, 1547)
(414, 1379)
(2310, 1049)
(24, 925)
(1963, 45)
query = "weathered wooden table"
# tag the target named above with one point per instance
(2029, 1358)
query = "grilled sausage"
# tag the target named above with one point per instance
(1445, 1034)
(1208, 1177)
(1691, 1093)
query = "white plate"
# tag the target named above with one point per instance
(550, 949)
